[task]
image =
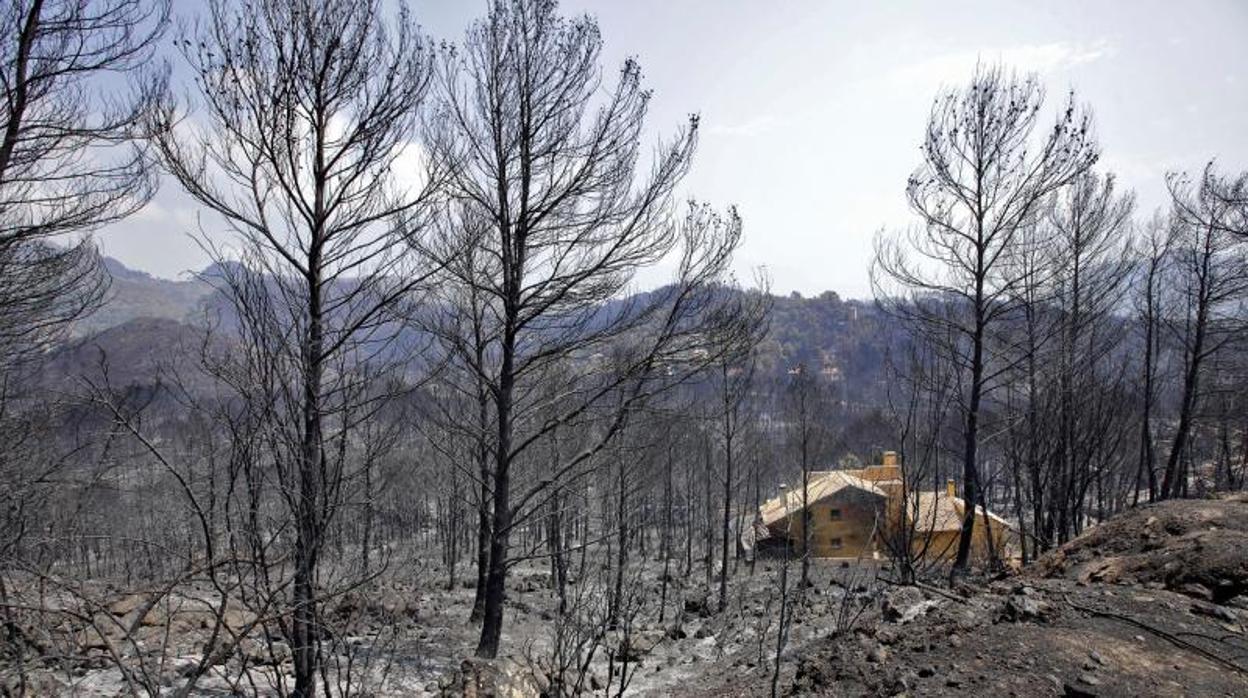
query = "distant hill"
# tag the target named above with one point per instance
(147, 321)
(135, 294)
(135, 352)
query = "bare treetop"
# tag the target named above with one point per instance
(69, 159)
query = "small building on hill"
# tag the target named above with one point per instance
(867, 513)
(844, 509)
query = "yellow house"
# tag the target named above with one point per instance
(845, 512)
(866, 513)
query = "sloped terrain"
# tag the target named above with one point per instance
(1151, 603)
(1050, 637)
(1196, 547)
(135, 294)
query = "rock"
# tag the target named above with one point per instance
(126, 605)
(151, 636)
(1023, 608)
(1089, 679)
(92, 639)
(1214, 611)
(500, 678)
(1195, 590)
(645, 641)
(698, 606)
(238, 618)
(264, 653)
(634, 646)
(1072, 690)
(184, 666)
(904, 604)
(1096, 657)
(955, 641)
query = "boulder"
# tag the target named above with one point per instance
(238, 618)
(184, 666)
(904, 604)
(698, 605)
(639, 644)
(1021, 608)
(495, 678)
(264, 653)
(126, 604)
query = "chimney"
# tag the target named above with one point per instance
(951, 488)
(890, 458)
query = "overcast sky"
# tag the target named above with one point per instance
(812, 110)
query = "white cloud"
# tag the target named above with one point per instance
(1044, 58)
(751, 127)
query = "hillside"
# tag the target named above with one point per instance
(138, 351)
(1150, 602)
(136, 294)
(845, 340)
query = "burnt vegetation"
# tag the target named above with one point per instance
(419, 427)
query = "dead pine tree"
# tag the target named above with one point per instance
(805, 417)
(461, 329)
(1153, 247)
(303, 108)
(76, 80)
(987, 167)
(1209, 281)
(1088, 241)
(736, 373)
(552, 165)
(71, 154)
(671, 441)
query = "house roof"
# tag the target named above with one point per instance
(936, 511)
(933, 511)
(821, 486)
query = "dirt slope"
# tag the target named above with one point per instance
(1196, 547)
(1042, 638)
(1152, 603)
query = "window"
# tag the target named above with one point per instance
(834, 514)
(835, 543)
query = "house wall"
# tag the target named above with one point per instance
(854, 528)
(943, 545)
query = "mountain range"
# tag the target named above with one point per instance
(148, 321)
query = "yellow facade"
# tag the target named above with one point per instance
(839, 528)
(864, 513)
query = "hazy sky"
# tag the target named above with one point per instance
(812, 110)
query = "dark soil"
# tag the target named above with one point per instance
(1195, 547)
(1043, 638)
(1151, 603)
